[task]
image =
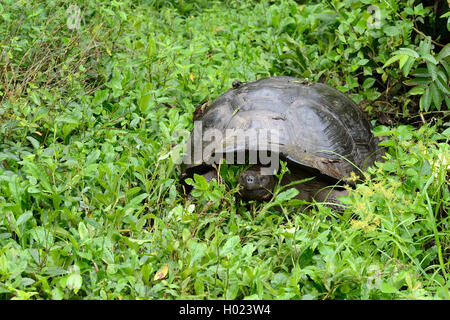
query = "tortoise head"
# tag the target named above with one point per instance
(256, 186)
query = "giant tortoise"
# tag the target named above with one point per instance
(316, 129)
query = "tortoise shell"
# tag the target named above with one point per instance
(319, 128)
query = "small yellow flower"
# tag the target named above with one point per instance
(366, 192)
(353, 177)
(358, 224)
(405, 144)
(380, 169)
(366, 176)
(378, 187)
(396, 184)
(360, 207)
(370, 223)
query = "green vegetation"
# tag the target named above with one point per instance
(91, 205)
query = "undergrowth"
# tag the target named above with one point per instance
(91, 206)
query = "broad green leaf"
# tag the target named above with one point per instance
(201, 182)
(199, 286)
(432, 70)
(57, 294)
(287, 195)
(92, 157)
(35, 98)
(42, 236)
(100, 96)
(24, 218)
(445, 52)
(446, 133)
(380, 131)
(408, 65)
(425, 46)
(363, 62)
(428, 57)
(230, 245)
(38, 173)
(83, 231)
(151, 47)
(418, 81)
(14, 188)
(146, 269)
(407, 51)
(136, 201)
(417, 90)
(68, 118)
(232, 290)
(403, 59)
(392, 60)
(145, 102)
(54, 271)
(442, 84)
(34, 142)
(368, 83)
(197, 251)
(404, 132)
(441, 73)
(74, 282)
(391, 31)
(387, 288)
(436, 96)
(425, 100)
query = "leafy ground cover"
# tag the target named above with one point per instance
(93, 115)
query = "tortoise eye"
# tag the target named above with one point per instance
(250, 179)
